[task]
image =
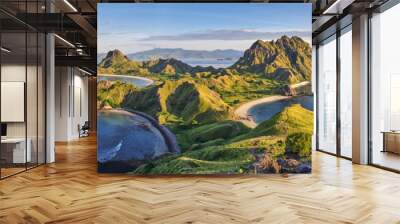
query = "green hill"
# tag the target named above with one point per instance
(223, 148)
(184, 101)
(172, 66)
(169, 66)
(116, 62)
(196, 102)
(112, 93)
(292, 119)
(113, 58)
(238, 88)
(286, 59)
(144, 100)
(216, 133)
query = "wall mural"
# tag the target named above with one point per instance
(204, 88)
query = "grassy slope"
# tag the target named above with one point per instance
(232, 153)
(292, 119)
(112, 93)
(182, 101)
(209, 134)
(197, 103)
(117, 63)
(235, 89)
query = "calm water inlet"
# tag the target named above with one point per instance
(135, 80)
(265, 111)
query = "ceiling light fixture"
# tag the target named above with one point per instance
(70, 5)
(64, 40)
(5, 50)
(79, 51)
(337, 7)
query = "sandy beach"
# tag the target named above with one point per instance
(243, 110)
(301, 84)
(129, 76)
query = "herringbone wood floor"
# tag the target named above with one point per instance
(71, 191)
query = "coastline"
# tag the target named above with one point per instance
(243, 110)
(301, 84)
(129, 76)
(169, 137)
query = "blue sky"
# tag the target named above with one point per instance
(137, 27)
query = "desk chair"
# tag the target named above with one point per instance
(84, 130)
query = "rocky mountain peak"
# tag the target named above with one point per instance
(116, 54)
(113, 57)
(286, 59)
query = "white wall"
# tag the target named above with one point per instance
(81, 104)
(33, 126)
(62, 82)
(14, 73)
(71, 102)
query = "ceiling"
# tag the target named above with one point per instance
(75, 21)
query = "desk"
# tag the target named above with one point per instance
(391, 141)
(19, 155)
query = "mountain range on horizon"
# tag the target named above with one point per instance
(181, 54)
(285, 59)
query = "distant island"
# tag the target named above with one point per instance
(203, 109)
(181, 54)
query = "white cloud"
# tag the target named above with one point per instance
(225, 34)
(204, 40)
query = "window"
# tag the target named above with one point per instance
(22, 77)
(327, 95)
(346, 92)
(385, 89)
